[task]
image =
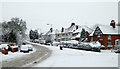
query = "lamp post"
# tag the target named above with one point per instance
(51, 36)
(51, 26)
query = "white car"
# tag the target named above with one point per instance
(30, 48)
(24, 48)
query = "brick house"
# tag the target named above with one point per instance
(107, 35)
(77, 33)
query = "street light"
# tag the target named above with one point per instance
(51, 26)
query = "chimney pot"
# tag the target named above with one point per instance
(112, 23)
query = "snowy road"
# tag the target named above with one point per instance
(40, 54)
(78, 58)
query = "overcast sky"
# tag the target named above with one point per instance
(38, 14)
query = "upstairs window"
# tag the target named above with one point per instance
(99, 36)
(109, 43)
(91, 38)
(109, 37)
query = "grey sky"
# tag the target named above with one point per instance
(37, 14)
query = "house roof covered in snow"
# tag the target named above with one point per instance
(106, 29)
(89, 30)
(77, 36)
(49, 32)
(70, 29)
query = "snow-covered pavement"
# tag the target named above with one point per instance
(79, 58)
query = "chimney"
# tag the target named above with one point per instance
(62, 29)
(76, 27)
(112, 23)
(51, 29)
(72, 24)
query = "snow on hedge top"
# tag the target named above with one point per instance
(70, 41)
(95, 44)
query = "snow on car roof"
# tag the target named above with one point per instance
(3, 45)
(95, 44)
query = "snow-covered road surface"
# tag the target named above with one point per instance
(27, 58)
(0, 60)
(78, 58)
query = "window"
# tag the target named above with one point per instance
(91, 38)
(109, 37)
(117, 42)
(58, 40)
(109, 43)
(99, 36)
(100, 39)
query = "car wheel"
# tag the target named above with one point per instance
(20, 50)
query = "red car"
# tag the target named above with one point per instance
(4, 48)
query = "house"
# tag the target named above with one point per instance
(77, 33)
(66, 33)
(49, 36)
(107, 35)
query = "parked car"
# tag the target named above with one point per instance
(4, 48)
(56, 43)
(14, 48)
(118, 51)
(102, 47)
(42, 41)
(36, 41)
(95, 46)
(80, 45)
(86, 46)
(48, 44)
(30, 48)
(24, 48)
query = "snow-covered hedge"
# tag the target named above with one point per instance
(95, 44)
